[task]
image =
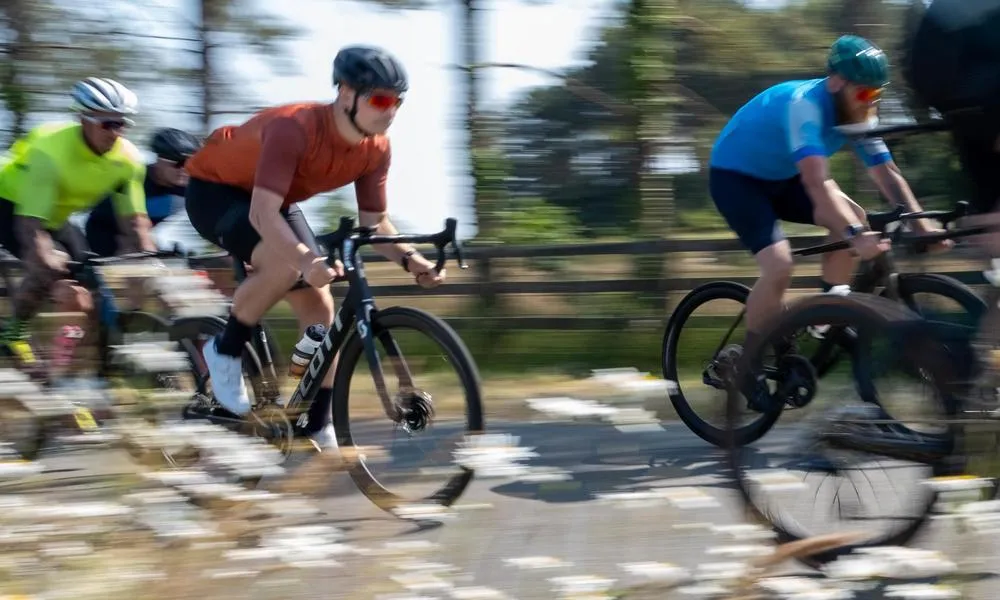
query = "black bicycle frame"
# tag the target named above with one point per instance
(880, 270)
(358, 308)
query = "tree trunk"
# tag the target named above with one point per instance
(651, 67)
(205, 75)
(863, 15)
(16, 97)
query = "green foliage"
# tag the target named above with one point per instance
(335, 205)
(532, 221)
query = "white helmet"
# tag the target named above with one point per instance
(95, 94)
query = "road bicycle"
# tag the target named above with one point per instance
(948, 431)
(113, 329)
(357, 333)
(794, 374)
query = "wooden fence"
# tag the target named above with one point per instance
(486, 266)
(483, 280)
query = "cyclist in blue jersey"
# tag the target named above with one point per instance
(770, 162)
(165, 185)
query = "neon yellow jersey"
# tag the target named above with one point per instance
(51, 173)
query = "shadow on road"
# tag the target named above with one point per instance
(582, 462)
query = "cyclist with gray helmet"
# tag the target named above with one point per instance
(243, 194)
(59, 169)
(770, 162)
(164, 186)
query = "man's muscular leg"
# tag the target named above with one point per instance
(312, 305)
(838, 267)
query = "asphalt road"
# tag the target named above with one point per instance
(592, 510)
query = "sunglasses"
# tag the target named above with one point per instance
(868, 94)
(177, 164)
(109, 123)
(384, 101)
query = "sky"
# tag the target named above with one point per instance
(427, 181)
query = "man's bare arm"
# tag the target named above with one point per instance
(383, 226)
(815, 175)
(893, 186)
(139, 236)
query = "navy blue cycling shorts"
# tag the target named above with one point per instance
(752, 207)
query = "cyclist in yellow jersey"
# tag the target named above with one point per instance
(57, 170)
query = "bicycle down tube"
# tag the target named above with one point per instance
(359, 296)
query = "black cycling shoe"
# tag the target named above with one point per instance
(758, 394)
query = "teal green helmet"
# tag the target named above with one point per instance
(859, 61)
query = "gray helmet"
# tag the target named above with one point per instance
(367, 67)
(95, 94)
(173, 144)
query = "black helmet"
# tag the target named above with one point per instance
(367, 67)
(173, 144)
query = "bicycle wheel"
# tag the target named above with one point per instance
(271, 423)
(920, 351)
(193, 332)
(388, 327)
(953, 307)
(717, 435)
(912, 286)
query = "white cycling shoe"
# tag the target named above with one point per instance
(325, 439)
(226, 373)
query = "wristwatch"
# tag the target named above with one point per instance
(405, 263)
(853, 230)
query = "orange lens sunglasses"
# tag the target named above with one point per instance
(868, 94)
(384, 101)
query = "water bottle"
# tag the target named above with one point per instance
(305, 349)
(65, 345)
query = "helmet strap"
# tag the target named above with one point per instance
(351, 114)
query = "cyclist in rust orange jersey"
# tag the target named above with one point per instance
(244, 187)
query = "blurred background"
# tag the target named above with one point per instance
(570, 138)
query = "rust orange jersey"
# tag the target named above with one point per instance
(296, 151)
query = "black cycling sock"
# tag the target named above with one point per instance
(234, 337)
(826, 287)
(753, 338)
(320, 411)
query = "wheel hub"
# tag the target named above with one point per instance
(417, 409)
(796, 380)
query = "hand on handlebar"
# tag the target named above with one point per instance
(869, 244)
(319, 274)
(425, 273)
(923, 227)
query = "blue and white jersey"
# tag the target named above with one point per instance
(782, 125)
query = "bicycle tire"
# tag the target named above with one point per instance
(909, 285)
(184, 329)
(719, 437)
(29, 447)
(353, 351)
(866, 312)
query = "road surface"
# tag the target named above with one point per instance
(600, 509)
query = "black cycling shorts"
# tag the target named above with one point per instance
(221, 214)
(67, 238)
(752, 207)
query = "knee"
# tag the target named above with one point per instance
(280, 274)
(314, 304)
(777, 272)
(71, 297)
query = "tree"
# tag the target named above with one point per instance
(216, 30)
(46, 46)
